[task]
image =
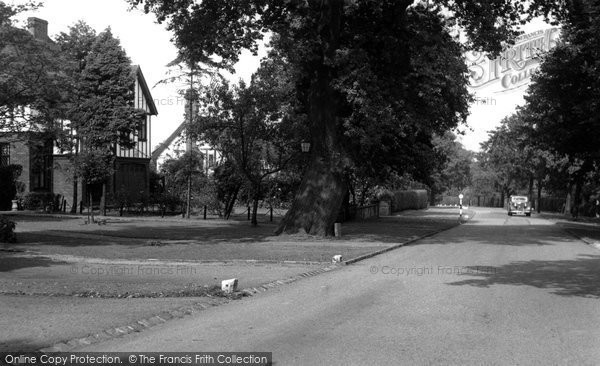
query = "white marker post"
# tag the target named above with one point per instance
(460, 197)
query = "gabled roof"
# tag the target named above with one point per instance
(140, 76)
(165, 144)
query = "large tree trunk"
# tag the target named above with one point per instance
(320, 195)
(318, 200)
(323, 187)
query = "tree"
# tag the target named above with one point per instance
(249, 125)
(562, 99)
(229, 183)
(76, 46)
(483, 181)
(503, 154)
(105, 115)
(377, 79)
(453, 175)
(182, 171)
(515, 161)
(31, 76)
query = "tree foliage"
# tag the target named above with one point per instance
(106, 116)
(31, 75)
(453, 174)
(562, 107)
(252, 127)
(376, 79)
(101, 106)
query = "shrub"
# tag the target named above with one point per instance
(121, 199)
(7, 230)
(38, 200)
(171, 202)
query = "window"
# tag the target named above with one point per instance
(41, 167)
(4, 154)
(142, 131)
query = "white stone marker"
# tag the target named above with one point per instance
(229, 286)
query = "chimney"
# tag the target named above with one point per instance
(38, 28)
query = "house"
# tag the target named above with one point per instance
(132, 166)
(177, 143)
(211, 157)
(48, 170)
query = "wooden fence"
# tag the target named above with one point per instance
(367, 212)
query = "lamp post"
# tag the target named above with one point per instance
(305, 146)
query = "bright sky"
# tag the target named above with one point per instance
(148, 44)
(492, 104)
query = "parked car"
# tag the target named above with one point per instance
(519, 205)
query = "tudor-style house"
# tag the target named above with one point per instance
(132, 166)
(47, 169)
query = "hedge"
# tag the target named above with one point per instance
(38, 200)
(414, 199)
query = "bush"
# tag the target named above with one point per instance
(167, 201)
(415, 199)
(121, 199)
(7, 230)
(38, 200)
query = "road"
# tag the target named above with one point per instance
(497, 291)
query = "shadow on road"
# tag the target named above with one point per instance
(19, 345)
(513, 235)
(578, 277)
(11, 263)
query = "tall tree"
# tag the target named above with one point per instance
(563, 98)
(76, 46)
(105, 116)
(31, 76)
(378, 78)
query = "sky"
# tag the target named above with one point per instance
(149, 45)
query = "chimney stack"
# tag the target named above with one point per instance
(38, 28)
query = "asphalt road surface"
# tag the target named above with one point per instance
(497, 291)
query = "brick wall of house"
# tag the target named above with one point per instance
(19, 154)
